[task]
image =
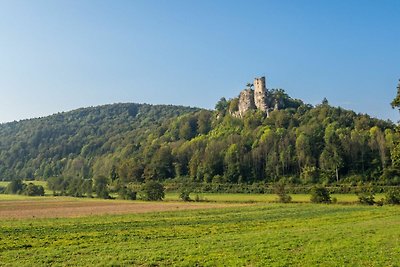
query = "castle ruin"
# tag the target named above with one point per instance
(257, 99)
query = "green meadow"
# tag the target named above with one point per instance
(249, 198)
(263, 234)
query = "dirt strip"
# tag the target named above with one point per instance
(21, 209)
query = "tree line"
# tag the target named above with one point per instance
(121, 144)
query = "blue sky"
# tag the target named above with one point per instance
(61, 55)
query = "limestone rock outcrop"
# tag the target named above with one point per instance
(257, 99)
(246, 101)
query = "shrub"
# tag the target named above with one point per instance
(320, 194)
(367, 195)
(393, 196)
(33, 190)
(153, 191)
(280, 190)
(366, 198)
(126, 193)
(185, 195)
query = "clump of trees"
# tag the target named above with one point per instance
(70, 186)
(30, 189)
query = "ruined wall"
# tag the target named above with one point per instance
(260, 94)
(246, 101)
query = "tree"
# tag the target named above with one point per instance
(153, 191)
(232, 164)
(33, 190)
(222, 105)
(100, 187)
(15, 187)
(395, 153)
(396, 101)
(320, 194)
(332, 155)
(161, 166)
(204, 122)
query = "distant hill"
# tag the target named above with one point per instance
(124, 143)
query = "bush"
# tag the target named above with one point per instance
(393, 196)
(366, 198)
(185, 195)
(153, 191)
(283, 196)
(320, 194)
(33, 190)
(367, 195)
(126, 193)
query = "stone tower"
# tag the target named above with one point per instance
(260, 94)
(246, 101)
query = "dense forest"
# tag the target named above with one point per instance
(133, 143)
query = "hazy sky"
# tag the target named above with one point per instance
(61, 55)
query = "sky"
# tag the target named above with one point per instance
(61, 55)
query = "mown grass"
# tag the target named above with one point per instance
(225, 197)
(260, 235)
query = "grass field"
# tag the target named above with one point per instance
(249, 198)
(22, 207)
(255, 235)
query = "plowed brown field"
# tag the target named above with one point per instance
(65, 207)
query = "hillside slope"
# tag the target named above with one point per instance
(45, 146)
(132, 143)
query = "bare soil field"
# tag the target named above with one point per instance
(64, 207)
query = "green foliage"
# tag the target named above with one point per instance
(366, 195)
(320, 194)
(366, 198)
(221, 105)
(280, 190)
(152, 191)
(393, 196)
(15, 187)
(131, 143)
(127, 193)
(70, 186)
(185, 195)
(100, 187)
(33, 190)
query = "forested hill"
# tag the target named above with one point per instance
(131, 143)
(50, 146)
